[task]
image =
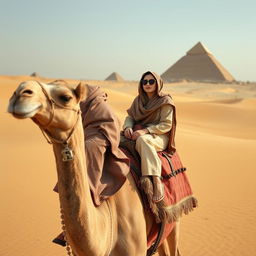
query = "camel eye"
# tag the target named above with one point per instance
(65, 98)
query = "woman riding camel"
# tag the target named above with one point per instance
(151, 123)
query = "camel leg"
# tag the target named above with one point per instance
(170, 245)
(130, 246)
(163, 250)
(131, 233)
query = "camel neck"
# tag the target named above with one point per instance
(75, 197)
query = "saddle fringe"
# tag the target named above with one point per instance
(161, 210)
(185, 206)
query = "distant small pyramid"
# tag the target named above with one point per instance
(114, 77)
(35, 74)
(199, 65)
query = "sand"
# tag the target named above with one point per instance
(216, 138)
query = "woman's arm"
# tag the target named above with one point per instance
(128, 122)
(165, 124)
(127, 127)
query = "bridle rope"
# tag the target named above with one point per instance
(49, 138)
(66, 153)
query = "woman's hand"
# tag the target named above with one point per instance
(138, 133)
(128, 132)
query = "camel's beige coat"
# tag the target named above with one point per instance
(119, 226)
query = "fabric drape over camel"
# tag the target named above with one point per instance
(99, 119)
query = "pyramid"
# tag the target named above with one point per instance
(114, 77)
(199, 65)
(35, 74)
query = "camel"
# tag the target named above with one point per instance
(119, 226)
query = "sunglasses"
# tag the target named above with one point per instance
(150, 81)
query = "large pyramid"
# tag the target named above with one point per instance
(198, 64)
(114, 77)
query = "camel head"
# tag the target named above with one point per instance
(53, 107)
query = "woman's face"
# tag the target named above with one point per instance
(149, 84)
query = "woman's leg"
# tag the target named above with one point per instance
(147, 146)
(158, 194)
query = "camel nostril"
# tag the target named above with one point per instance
(29, 92)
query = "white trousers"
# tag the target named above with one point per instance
(147, 146)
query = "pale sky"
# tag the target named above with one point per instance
(91, 39)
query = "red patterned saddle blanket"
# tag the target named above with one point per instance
(178, 193)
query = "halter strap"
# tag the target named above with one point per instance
(49, 138)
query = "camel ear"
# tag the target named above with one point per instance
(81, 91)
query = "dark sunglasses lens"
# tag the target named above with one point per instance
(151, 81)
(144, 82)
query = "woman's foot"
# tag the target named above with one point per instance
(158, 194)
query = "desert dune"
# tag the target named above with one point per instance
(216, 139)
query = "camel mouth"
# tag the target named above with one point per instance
(23, 115)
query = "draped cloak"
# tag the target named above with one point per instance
(99, 119)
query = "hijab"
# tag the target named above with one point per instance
(144, 109)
